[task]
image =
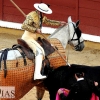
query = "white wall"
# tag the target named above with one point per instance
(46, 30)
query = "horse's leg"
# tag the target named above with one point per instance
(39, 92)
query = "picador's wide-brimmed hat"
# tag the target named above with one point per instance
(42, 7)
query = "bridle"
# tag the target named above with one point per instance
(77, 39)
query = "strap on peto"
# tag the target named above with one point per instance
(4, 58)
(15, 47)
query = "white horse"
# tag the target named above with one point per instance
(68, 34)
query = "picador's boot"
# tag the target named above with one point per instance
(38, 64)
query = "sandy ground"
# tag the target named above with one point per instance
(89, 56)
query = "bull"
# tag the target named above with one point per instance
(63, 77)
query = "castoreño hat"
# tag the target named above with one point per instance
(42, 7)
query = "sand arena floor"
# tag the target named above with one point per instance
(89, 56)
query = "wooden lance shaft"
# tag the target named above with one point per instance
(41, 33)
(18, 8)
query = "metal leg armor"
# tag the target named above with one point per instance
(38, 64)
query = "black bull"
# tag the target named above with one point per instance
(63, 77)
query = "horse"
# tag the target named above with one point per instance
(63, 77)
(17, 70)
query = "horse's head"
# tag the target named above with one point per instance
(75, 39)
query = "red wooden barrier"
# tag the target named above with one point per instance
(87, 11)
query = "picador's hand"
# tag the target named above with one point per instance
(38, 30)
(62, 23)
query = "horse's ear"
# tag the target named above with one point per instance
(77, 23)
(69, 19)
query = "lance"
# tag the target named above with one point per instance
(41, 34)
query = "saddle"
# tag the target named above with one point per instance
(26, 49)
(29, 53)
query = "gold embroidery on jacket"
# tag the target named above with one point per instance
(32, 22)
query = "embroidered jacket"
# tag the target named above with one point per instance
(33, 22)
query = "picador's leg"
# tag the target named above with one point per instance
(40, 92)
